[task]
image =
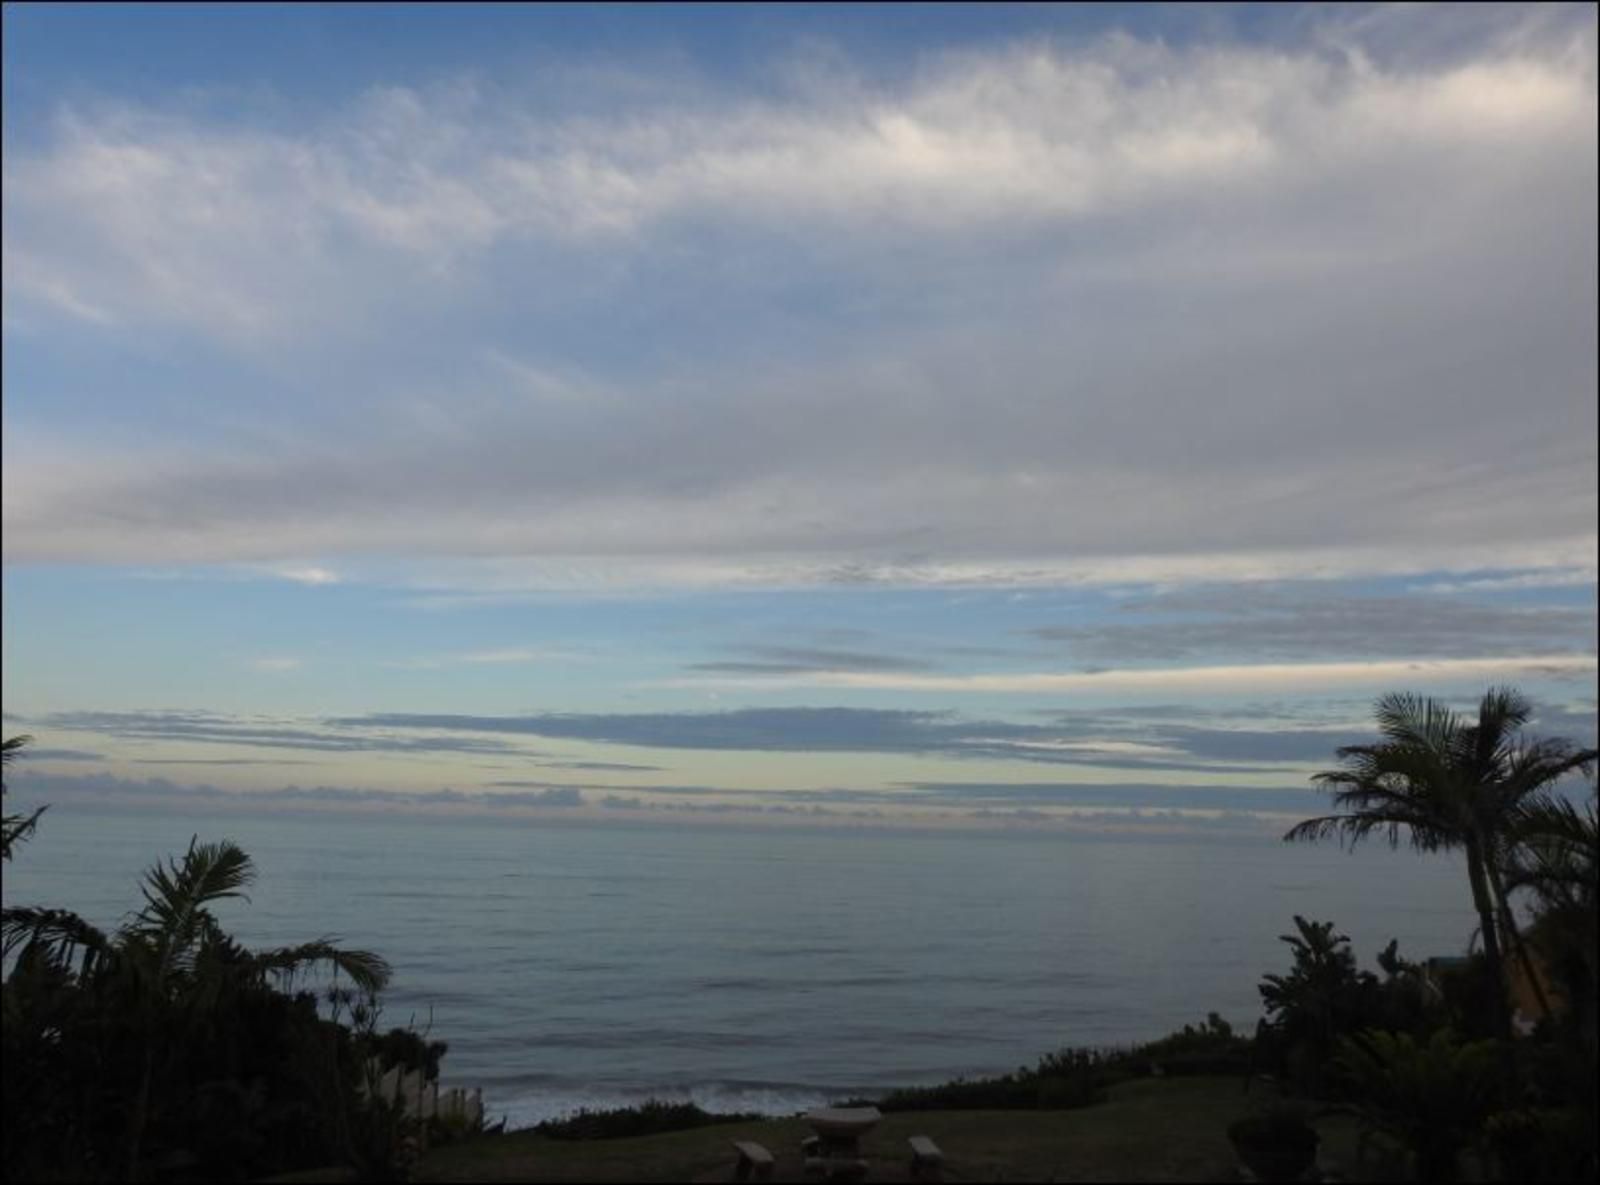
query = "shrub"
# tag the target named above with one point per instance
(1541, 1144)
(1434, 1097)
(1324, 999)
(647, 1119)
(1276, 1144)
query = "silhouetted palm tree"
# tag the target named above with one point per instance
(1557, 859)
(1449, 784)
(172, 960)
(14, 828)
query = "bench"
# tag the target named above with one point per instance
(754, 1160)
(926, 1159)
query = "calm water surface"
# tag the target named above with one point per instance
(764, 970)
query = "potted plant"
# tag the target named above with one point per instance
(1276, 1144)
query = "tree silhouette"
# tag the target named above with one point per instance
(1447, 783)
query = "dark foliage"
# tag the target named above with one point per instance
(1542, 1144)
(1276, 1144)
(1071, 1078)
(1324, 998)
(1210, 1048)
(647, 1119)
(410, 1051)
(167, 1051)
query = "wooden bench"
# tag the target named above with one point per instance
(926, 1159)
(754, 1161)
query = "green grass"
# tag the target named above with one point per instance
(1157, 1129)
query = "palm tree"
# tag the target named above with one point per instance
(1557, 858)
(172, 960)
(1448, 784)
(15, 828)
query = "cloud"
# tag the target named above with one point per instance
(106, 786)
(259, 732)
(225, 761)
(613, 766)
(305, 574)
(276, 665)
(781, 660)
(1230, 679)
(33, 753)
(551, 796)
(772, 729)
(1285, 800)
(1104, 740)
(1275, 623)
(505, 655)
(1032, 313)
(1557, 578)
(519, 654)
(1578, 723)
(1253, 739)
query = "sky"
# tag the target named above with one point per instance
(992, 415)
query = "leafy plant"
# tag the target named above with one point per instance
(1434, 1096)
(1556, 859)
(1322, 998)
(1277, 1143)
(1542, 1144)
(165, 1048)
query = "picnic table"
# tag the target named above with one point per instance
(836, 1148)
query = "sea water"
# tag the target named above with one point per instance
(769, 970)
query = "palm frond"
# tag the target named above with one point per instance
(12, 746)
(15, 828)
(1351, 829)
(1400, 766)
(176, 896)
(58, 932)
(1503, 710)
(1555, 850)
(366, 970)
(1416, 721)
(1535, 765)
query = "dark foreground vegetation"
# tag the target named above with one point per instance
(167, 1051)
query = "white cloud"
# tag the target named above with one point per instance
(1114, 311)
(306, 574)
(1554, 578)
(445, 584)
(245, 232)
(510, 654)
(505, 655)
(276, 665)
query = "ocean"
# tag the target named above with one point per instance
(765, 970)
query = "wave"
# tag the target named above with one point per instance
(528, 1105)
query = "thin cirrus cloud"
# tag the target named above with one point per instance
(1228, 679)
(1038, 801)
(1250, 737)
(782, 660)
(1106, 740)
(1285, 622)
(258, 732)
(1041, 307)
(276, 665)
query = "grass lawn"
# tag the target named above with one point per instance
(1156, 1129)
